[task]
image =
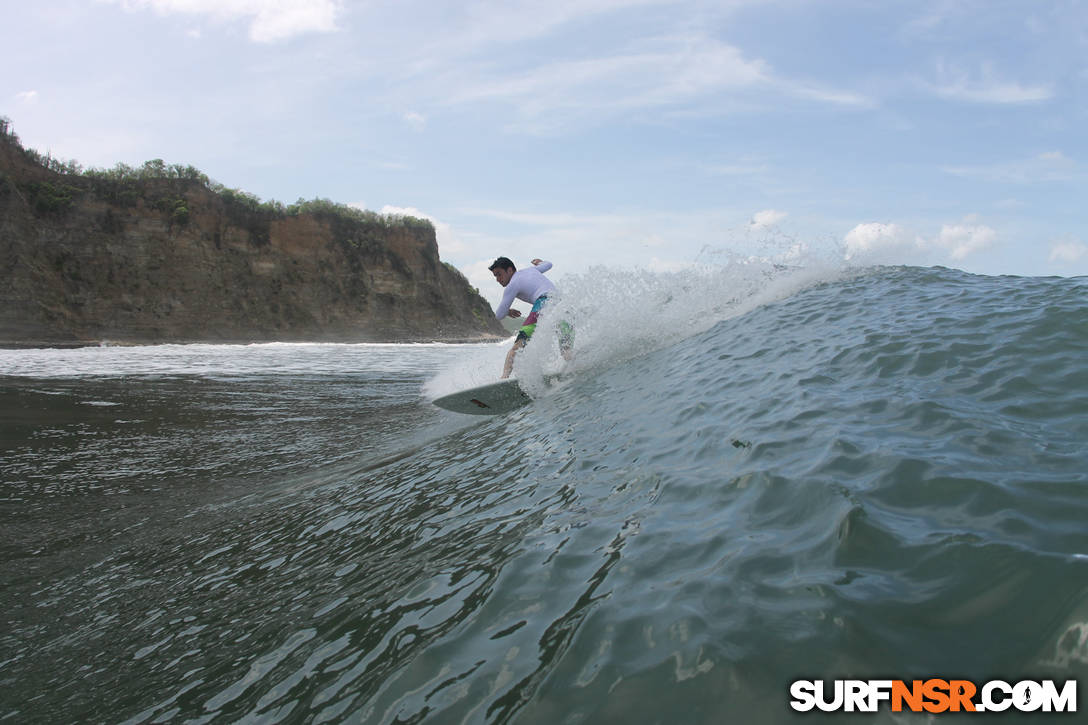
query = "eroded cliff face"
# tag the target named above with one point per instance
(179, 263)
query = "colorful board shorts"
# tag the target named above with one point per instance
(566, 330)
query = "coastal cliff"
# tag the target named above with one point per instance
(160, 254)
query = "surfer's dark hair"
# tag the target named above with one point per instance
(502, 263)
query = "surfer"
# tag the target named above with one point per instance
(528, 285)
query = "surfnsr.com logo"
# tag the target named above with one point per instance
(933, 696)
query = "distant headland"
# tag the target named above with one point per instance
(161, 254)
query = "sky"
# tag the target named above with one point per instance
(660, 135)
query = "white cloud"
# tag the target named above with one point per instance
(957, 84)
(270, 20)
(27, 97)
(963, 240)
(1047, 166)
(417, 121)
(766, 218)
(478, 29)
(674, 72)
(876, 242)
(1070, 251)
(932, 16)
(821, 94)
(624, 81)
(865, 240)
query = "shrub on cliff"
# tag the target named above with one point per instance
(48, 198)
(319, 207)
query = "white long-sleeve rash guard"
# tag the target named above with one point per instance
(527, 285)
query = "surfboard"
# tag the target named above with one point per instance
(492, 399)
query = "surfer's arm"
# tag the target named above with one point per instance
(504, 307)
(541, 265)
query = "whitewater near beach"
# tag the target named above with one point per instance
(748, 476)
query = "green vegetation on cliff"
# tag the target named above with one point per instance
(161, 186)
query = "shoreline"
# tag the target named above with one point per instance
(76, 344)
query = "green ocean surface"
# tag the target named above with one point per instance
(875, 475)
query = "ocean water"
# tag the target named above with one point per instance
(760, 474)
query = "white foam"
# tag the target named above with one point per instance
(622, 313)
(475, 365)
(212, 360)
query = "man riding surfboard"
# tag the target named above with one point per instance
(528, 285)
